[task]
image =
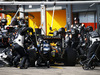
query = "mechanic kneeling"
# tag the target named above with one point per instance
(19, 46)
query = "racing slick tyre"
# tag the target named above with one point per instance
(70, 56)
(32, 57)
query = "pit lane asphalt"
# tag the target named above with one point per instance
(53, 70)
(58, 70)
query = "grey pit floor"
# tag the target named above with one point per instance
(53, 70)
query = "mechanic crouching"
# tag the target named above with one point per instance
(20, 47)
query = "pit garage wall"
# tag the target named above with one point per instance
(36, 21)
(86, 16)
(89, 19)
(59, 19)
(58, 22)
(0, 13)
